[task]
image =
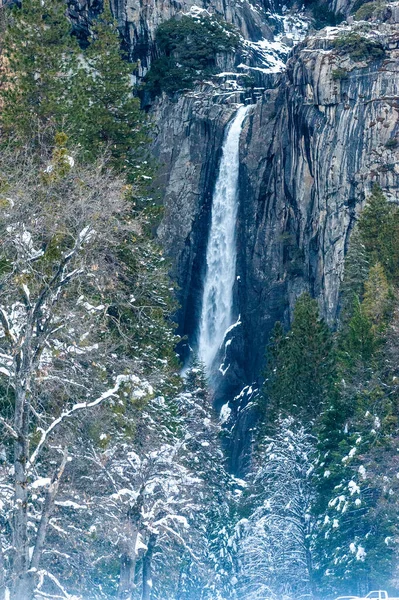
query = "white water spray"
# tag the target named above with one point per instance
(217, 301)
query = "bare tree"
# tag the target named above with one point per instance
(147, 502)
(143, 488)
(60, 230)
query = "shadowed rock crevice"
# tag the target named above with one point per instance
(311, 150)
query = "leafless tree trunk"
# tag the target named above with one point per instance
(129, 553)
(2, 574)
(21, 584)
(147, 565)
(309, 567)
(46, 514)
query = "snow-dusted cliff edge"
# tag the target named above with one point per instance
(312, 148)
(316, 140)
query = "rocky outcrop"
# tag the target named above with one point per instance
(312, 147)
(139, 20)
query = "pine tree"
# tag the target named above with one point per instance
(358, 340)
(362, 335)
(377, 297)
(355, 274)
(357, 508)
(301, 371)
(355, 484)
(104, 113)
(40, 56)
(275, 541)
(51, 85)
(379, 230)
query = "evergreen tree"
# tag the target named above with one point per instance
(358, 500)
(40, 58)
(356, 270)
(51, 85)
(377, 298)
(301, 370)
(104, 115)
(379, 230)
(275, 541)
(357, 490)
(358, 340)
(362, 335)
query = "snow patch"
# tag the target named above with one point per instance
(225, 413)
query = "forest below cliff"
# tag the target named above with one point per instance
(115, 479)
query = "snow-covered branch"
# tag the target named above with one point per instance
(78, 407)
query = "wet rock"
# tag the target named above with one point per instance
(312, 147)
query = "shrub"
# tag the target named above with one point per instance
(366, 11)
(293, 255)
(188, 48)
(392, 143)
(339, 74)
(357, 5)
(323, 16)
(359, 47)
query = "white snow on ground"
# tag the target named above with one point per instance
(41, 482)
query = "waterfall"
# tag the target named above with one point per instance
(217, 301)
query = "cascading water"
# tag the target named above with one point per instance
(217, 301)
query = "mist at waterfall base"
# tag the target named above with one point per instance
(217, 301)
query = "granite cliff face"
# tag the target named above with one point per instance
(318, 137)
(321, 131)
(314, 147)
(140, 18)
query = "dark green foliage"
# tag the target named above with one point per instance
(339, 74)
(343, 387)
(202, 36)
(379, 230)
(301, 368)
(359, 514)
(145, 317)
(324, 17)
(359, 47)
(293, 255)
(358, 339)
(356, 5)
(104, 114)
(40, 54)
(357, 265)
(357, 435)
(167, 75)
(52, 85)
(366, 11)
(392, 143)
(322, 14)
(188, 48)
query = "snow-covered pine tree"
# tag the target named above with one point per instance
(275, 542)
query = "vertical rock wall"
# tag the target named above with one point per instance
(316, 140)
(314, 148)
(311, 150)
